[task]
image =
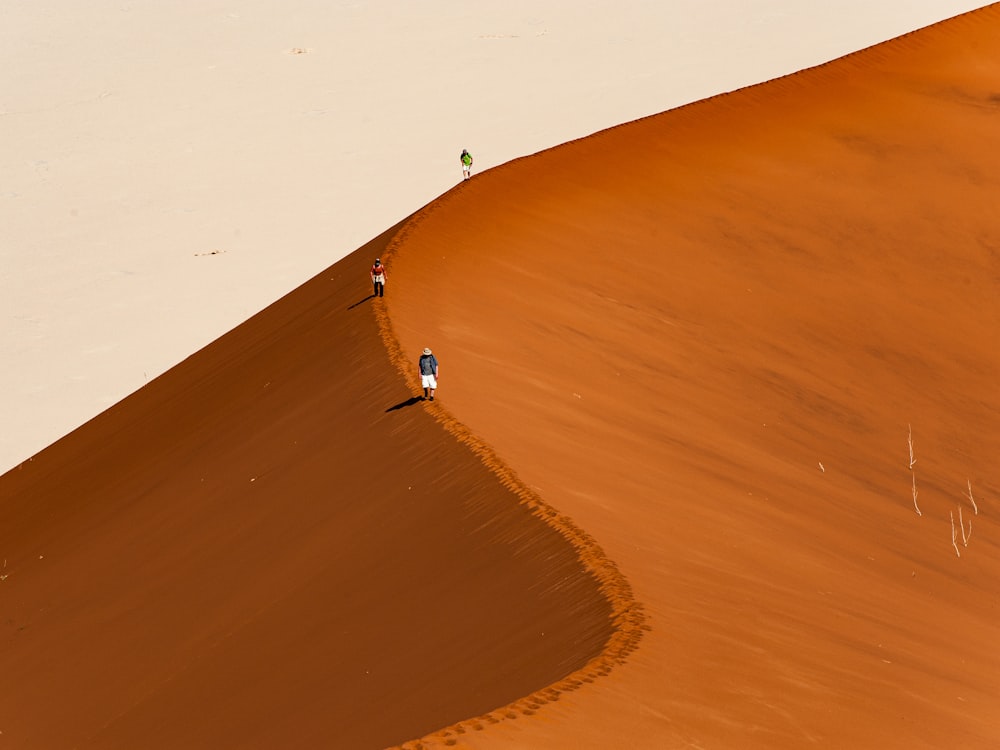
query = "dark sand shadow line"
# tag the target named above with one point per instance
(403, 404)
(361, 301)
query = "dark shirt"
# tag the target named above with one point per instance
(428, 364)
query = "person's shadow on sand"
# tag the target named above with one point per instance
(361, 301)
(402, 404)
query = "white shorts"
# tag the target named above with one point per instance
(428, 381)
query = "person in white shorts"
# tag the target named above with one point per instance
(428, 366)
(466, 159)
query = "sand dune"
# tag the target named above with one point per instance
(273, 545)
(706, 336)
(689, 350)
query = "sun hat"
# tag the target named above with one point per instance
(426, 350)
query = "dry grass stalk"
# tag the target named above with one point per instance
(961, 525)
(910, 441)
(917, 507)
(954, 534)
(972, 499)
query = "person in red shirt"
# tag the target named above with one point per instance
(378, 278)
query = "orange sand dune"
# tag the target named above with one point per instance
(702, 337)
(705, 337)
(272, 546)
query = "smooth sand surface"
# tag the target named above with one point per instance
(170, 169)
(705, 337)
(663, 500)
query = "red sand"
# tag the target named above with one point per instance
(270, 546)
(700, 337)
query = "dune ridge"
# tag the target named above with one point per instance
(627, 615)
(737, 452)
(707, 337)
(272, 545)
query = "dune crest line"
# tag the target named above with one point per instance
(239, 535)
(629, 618)
(703, 335)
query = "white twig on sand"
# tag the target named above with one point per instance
(961, 525)
(954, 534)
(910, 442)
(821, 467)
(972, 499)
(917, 507)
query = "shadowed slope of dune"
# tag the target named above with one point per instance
(708, 337)
(274, 545)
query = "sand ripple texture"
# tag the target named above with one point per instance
(750, 345)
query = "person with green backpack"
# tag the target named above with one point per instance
(466, 159)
